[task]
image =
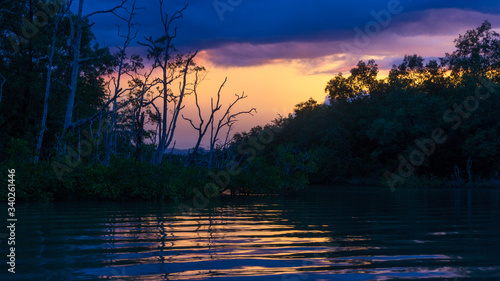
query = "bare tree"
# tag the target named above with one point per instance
(227, 120)
(202, 130)
(78, 28)
(162, 51)
(167, 134)
(123, 69)
(133, 117)
(62, 11)
(138, 114)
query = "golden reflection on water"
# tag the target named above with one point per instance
(347, 235)
(237, 234)
(233, 242)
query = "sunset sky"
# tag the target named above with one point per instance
(283, 52)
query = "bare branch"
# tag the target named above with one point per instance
(227, 120)
(112, 10)
(191, 121)
(99, 112)
(87, 59)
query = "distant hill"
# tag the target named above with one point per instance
(185, 151)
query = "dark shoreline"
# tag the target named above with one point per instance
(170, 183)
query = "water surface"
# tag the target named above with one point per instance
(335, 234)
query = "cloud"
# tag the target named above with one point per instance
(448, 21)
(427, 33)
(260, 32)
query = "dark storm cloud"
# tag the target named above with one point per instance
(250, 32)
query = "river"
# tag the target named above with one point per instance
(327, 233)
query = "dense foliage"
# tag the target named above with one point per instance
(425, 124)
(24, 64)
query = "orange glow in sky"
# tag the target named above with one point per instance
(275, 87)
(272, 89)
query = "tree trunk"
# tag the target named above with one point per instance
(75, 70)
(167, 134)
(138, 140)
(47, 91)
(163, 129)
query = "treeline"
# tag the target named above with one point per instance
(434, 123)
(61, 91)
(79, 121)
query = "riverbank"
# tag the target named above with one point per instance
(128, 180)
(426, 182)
